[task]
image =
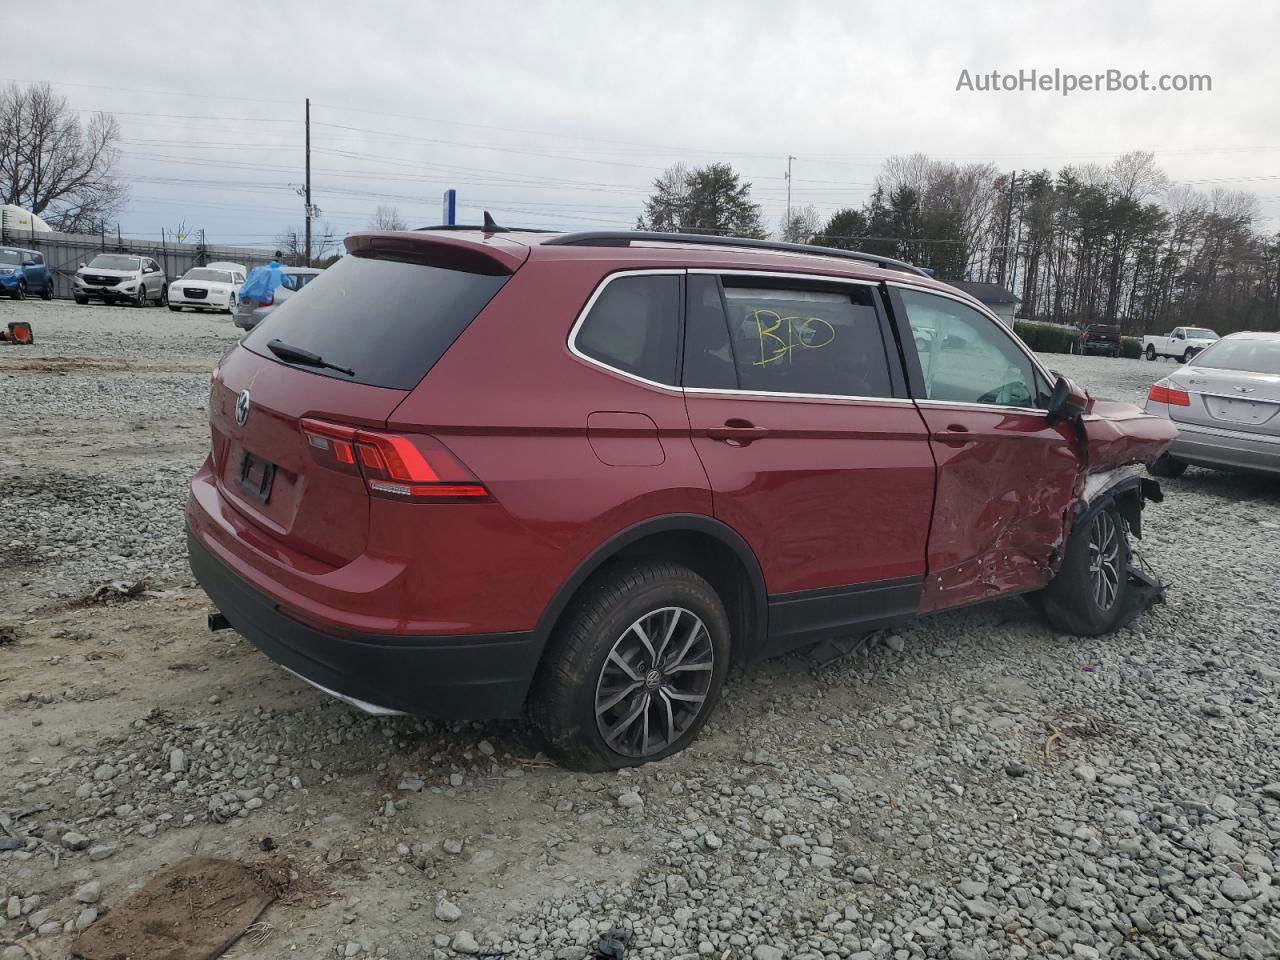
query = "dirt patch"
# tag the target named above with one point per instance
(194, 910)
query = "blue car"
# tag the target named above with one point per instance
(23, 272)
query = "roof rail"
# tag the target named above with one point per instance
(624, 238)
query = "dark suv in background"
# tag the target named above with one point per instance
(1103, 338)
(479, 474)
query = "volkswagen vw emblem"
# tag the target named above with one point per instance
(242, 407)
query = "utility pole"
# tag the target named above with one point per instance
(308, 187)
(786, 224)
(1008, 223)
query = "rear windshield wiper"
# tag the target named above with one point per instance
(305, 357)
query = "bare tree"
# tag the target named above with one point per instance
(803, 224)
(326, 246)
(388, 218)
(53, 164)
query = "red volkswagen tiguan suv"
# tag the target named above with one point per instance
(482, 473)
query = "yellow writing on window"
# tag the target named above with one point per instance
(780, 336)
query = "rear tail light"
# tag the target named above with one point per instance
(1166, 392)
(395, 466)
(1085, 337)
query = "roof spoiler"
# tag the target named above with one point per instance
(492, 256)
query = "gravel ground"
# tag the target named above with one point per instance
(972, 786)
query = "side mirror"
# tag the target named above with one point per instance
(1067, 402)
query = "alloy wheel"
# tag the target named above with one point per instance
(655, 682)
(1104, 559)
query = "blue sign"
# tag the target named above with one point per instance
(450, 207)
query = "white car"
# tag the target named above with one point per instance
(1182, 343)
(120, 278)
(207, 288)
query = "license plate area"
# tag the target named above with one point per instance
(1245, 412)
(255, 477)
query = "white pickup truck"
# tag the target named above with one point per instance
(1182, 343)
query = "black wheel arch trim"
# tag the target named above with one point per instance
(669, 523)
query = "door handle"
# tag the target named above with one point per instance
(956, 435)
(737, 431)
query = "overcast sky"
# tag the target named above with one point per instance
(560, 114)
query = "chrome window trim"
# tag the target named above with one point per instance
(586, 311)
(773, 395)
(783, 275)
(1003, 327)
(996, 407)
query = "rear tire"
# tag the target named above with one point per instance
(1087, 597)
(1167, 468)
(603, 698)
(1151, 352)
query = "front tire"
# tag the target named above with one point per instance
(20, 291)
(634, 669)
(82, 300)
(175, 308)
(231, 304)
(47, 292)
(1088, 595)
(141, 299)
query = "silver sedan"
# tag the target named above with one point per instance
(1226, 403)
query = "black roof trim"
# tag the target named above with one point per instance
(624, 238)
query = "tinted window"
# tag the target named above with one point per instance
(708, 355)
(824, 341)
(386, 320)
(967, 357)
(634, 326)
(38, 258)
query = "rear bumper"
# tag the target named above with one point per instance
(471, 677)
(1228, 449)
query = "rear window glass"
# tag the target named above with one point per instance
(634, 326)
(387, 321)
(1249, 356)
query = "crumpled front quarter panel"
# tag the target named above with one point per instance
(1119, 434)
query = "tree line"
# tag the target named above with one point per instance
(1118, 243)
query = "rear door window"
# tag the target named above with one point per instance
(788, 338)
(634, 326)
(388, 321)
